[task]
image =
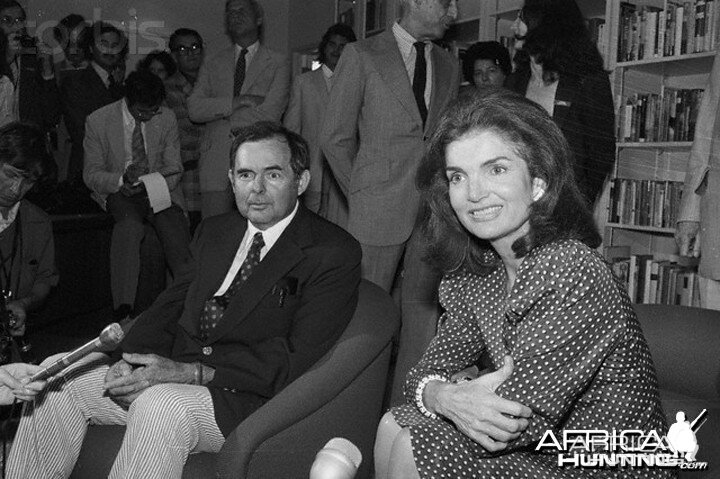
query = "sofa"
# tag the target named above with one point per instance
(685, 347)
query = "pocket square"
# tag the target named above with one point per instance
(563, 103)
(286, 286)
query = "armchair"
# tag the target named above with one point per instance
(341, 395)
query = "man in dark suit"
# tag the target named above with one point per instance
(30, 63)
(268, 291)
(86, 90)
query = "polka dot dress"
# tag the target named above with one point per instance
(581, 362)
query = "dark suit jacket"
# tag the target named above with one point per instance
(82, 92)
(39, 100)
(263, 342)
(585, 113)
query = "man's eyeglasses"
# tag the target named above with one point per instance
(193, 49)
(10, 21)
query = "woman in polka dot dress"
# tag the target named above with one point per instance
(525, 287)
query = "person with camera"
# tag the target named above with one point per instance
(37, 98)
(27, 252)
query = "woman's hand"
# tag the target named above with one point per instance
(14, 383)
(477, 411)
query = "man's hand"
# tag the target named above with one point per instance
(122, 381)
(481, 414)
(19, 315)
(686, 235)
(129, 190)
(14, 383)
(133, 173)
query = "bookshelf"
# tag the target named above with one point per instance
(660, 53)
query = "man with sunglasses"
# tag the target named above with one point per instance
(117, 168)
(186, 46)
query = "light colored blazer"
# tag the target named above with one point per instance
(701, 192)
(105, 156)
(304, 116)
(268, 75)
(373, 137)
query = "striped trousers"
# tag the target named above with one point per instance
(164, 424)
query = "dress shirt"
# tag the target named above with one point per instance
(270, 237)
(251, 51)
(408, 53)
(6, 222)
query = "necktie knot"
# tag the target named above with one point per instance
(258, 242)
(420, 47)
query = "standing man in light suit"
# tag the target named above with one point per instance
(698, 219)
(305, 115)
(388, 93)
(239, 86)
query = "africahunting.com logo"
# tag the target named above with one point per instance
(602, 449)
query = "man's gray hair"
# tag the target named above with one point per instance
(257, 8)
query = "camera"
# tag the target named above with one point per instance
(11, 348)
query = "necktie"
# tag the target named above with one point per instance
(215, 306)
(420, 79)
(239, 72)
(139, 156)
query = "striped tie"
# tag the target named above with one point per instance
(139, 157)
(215, 306)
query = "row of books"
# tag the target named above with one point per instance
(645, 202)
(670, 116)
(654, 281)
(680, 28)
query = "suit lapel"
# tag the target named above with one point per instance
(441, 87)
(152, 139)
(116, 135)
(259, 62)
(391, 67)
(284, 255)
(212, 268)
(320, 86)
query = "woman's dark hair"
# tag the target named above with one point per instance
(62, 30)
(558, 39)
(144, 88)
(265, 130)
(561, 213)
(22, 145)
(341, 29)
(163, 57)
(493, 51)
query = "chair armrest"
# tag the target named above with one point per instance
(372, 327)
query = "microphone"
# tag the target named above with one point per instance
(109, 338)
(339, 459)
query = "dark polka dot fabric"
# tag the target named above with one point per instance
(581, 362)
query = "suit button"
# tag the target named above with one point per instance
(207, 350)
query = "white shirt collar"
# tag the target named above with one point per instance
(128, 119)
(272, 234)
(252, 50)
(327, 72)
(406, 41)
(6, 222)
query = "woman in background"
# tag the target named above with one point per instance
(7, 89)
(524, 285)
(486, 64)
(560, 68)
(160, 64)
